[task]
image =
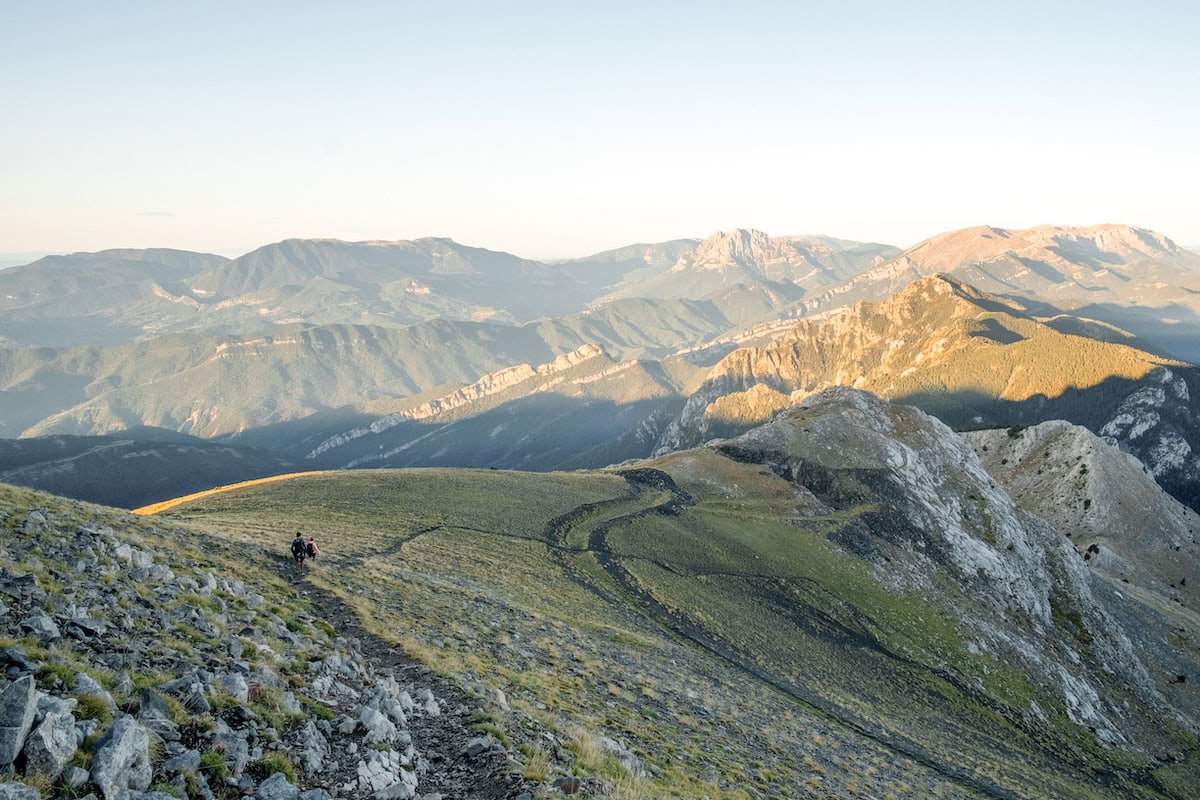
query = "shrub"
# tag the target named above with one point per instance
(92, 706)
(213, 765)
(268, 765)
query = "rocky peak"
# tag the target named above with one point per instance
(1103, 499)
(745, 247)
(927, 512)
(1095, 247)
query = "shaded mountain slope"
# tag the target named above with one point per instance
(217, 385)
(130, 469)
(846, 582)
(970, 358)
(1142, 543)
(973, 360)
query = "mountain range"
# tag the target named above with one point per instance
(427, 352)
(735, 518)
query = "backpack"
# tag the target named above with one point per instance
(298, 548)
(313, 550)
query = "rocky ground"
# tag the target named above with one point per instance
(137, 667)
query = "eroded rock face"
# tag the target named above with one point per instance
(937, 512)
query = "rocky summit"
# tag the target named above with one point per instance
(136, 668)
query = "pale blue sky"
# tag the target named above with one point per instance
(558, 129)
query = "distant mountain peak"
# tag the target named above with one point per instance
(1095, 245)
(743, 247)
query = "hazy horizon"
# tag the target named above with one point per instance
(8, 260)
(554, 132)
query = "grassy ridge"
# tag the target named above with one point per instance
(731, 645)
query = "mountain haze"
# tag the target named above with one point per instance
(119, 296)
(745, 255)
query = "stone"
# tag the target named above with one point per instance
(570, 785)
(623, 754)
(124, 684)
(277, 787)
(378, 727)
(315, 748)
(233, 746)
(75, 777)
(236, 685)
(121, 759)
(15, 657)
(51, 744)
(397, 791)
(41, 626)
(379, 771)
(48, 703)
(394, 711)
(480, 745)
(431, 708)
(86, 628)
(316, 794)
(291, 704)
(187, 761)
(21, 586)
(18, 791)
(86, 684)
(18, 705)
(155, 716)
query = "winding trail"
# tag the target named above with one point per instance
(645, 482)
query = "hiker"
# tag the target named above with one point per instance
(311, 549)
(299, 549)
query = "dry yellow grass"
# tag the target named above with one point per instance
(155, 508)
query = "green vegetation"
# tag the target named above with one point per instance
(564, 592)
(269, 764)
(213, 765)
(92, 706)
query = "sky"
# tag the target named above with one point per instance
(563, 128)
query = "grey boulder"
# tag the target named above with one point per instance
(18, 704)
(122, 758)
(277, 787)
(18, 791)
(51, 744)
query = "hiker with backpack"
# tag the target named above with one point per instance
(311, 549)
(299, 550)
